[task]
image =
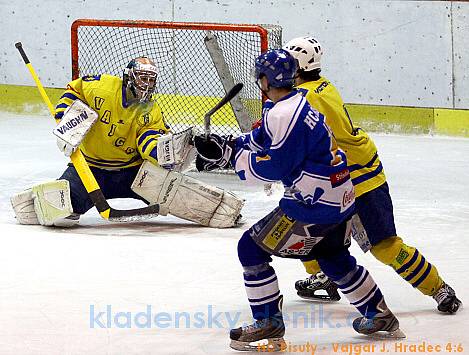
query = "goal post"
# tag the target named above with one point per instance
(189, 83)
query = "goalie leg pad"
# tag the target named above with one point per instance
(186, 197)
(23, 206)
(47, 204)
(53, 205)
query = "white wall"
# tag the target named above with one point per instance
(377, 52)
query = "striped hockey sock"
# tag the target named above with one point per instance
(262, 291)
(420, 273)
(361, 290)
(409, 263)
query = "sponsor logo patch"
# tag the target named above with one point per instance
(321, 87)
(299, 245)
(83, 116)
(402, 256)
(278, 232)
(340, 177)
(348, 198)
(62, 198)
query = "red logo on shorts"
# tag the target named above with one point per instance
(297, 246)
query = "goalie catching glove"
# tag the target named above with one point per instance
(213, 152)
(74, 125)
(187, 198)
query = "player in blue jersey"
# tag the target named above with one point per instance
(312, 220)
(373, 200)
(119, 128)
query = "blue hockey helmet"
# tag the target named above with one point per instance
(278, 65)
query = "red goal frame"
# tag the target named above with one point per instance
(263, 33)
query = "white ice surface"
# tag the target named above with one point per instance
(49, 278)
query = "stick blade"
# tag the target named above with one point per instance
(134, 215)
(229, 95)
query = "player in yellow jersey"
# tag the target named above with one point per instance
(119, 128)
(376, 229)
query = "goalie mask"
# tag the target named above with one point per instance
(308, 52)
(140, 78)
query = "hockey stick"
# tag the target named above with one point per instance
(83, 170)
(227, 98)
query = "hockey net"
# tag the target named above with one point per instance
(188, 81)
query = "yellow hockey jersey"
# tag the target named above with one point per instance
(124, 134)
(365, 167)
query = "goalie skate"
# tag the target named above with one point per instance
(311, 288)
(383, 325)
(263, 335)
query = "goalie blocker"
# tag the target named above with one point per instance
(72, 128)
(187, 198)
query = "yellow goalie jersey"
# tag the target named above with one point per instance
(362, 156)
(124, 134)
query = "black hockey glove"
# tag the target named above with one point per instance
(214, 152)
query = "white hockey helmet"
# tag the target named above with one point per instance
(140, 78)
(308, 52)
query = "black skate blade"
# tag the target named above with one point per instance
(387, 335)
(263, 345)
(321, 298)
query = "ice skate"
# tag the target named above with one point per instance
(309, 288)
(262, 335)
(446, 299)
(383, 325)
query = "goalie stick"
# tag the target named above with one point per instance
(227, 80)
(225, 99)
(83, 170)
(218, 59)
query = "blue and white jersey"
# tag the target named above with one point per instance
(294, 145)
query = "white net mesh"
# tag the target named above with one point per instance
(188, 83)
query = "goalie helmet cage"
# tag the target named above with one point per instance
(188, 82)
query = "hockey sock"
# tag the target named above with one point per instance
(361, 290)
(409, 263)
(262, 290)
(354, 281)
